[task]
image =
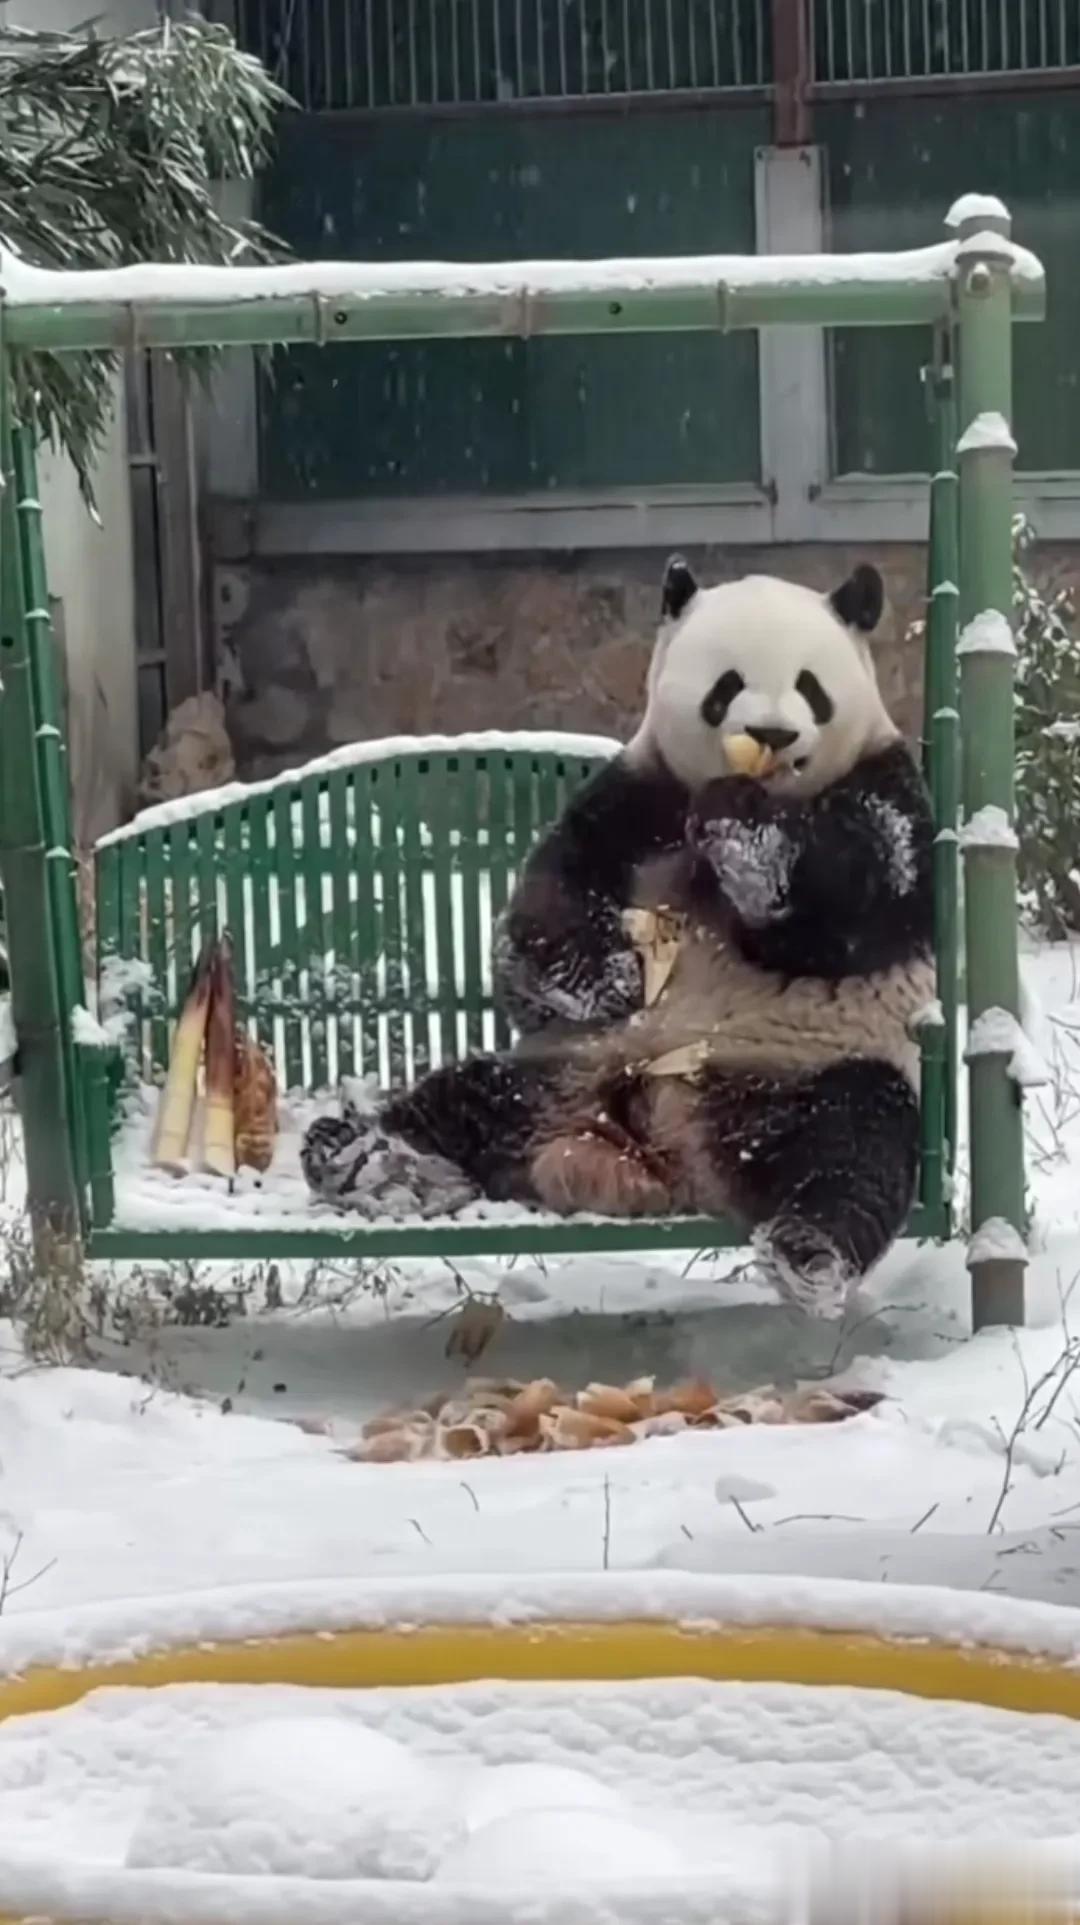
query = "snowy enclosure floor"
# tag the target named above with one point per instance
(167, 1468)
(724, 1776)
(151, 1199)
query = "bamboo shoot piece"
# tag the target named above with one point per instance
(219, 1129)
(656, 935)
(255, 1095)
(170, 1146)
(747, 757)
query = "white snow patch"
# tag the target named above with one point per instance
(988, 430)
(47, 731)
(9, 1042)
(996, 1240)
(699, 1791)
(899, 835)
(352, 755)
(946, 587)
(152, 284)
(998, 1033)
(988, 828)
(123, 976)
(311, 1797)
(87, 1031)
(930, 1016)
(976, 207)
(987, 634)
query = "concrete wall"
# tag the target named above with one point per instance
(329, 651)
(90, 564)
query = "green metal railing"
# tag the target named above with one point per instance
(971, 288)
(347, 54)
(882, 40)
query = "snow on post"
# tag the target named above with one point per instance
(987, 634)
(998, 1033)
(988, 432)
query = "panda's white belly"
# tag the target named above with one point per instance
(717, 1007)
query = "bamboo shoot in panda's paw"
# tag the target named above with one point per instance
(219, 1154)
(255, 1099)
(177, 1107)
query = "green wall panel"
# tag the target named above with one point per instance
(894, 169)
(470, 417)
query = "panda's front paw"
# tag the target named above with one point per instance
(734, 829)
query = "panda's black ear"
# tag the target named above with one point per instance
(860, 600)
(679, 589)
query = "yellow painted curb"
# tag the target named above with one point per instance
(557, 1652)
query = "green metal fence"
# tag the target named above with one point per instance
(882, 40)
(335, 54)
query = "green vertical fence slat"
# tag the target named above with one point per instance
(498, 830)
(94, 1082)
(107, 904)
(523, 831)
(366, 914)
(441, 903)
(157, 947)
(261, 966)
(388, 862)
(412, 791)
(344, 975)
(284, 868)
(131, 946)
(207, 861)
(179, 847)
(234, 859)
(468, 870)
(312, 956)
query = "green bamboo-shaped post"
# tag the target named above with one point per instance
(941, 728)
(986, 650)
(35, 993)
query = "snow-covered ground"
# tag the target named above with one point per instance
(177, 1466)
(170, 1467)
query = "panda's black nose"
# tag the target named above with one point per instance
(774, 738)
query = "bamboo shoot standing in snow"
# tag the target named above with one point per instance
(178, 1097)
(256, 1106)
(219, 1155)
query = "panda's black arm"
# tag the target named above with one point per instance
(838, 886)
(561, 953)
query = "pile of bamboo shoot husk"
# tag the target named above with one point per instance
(504, 1418)
(239, 1108)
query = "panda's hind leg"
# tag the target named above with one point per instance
(462, 1132)
(823, 1170)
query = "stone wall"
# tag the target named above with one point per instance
(328, 650)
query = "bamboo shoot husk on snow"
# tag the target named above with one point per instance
(170, 1146)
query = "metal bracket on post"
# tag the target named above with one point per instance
(997, 1256)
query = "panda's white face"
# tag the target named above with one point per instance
(772, 660)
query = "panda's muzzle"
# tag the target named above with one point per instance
(775, 739)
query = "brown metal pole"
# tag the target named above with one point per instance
(792, 116)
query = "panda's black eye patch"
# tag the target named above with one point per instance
(720, 697)
(821, 706)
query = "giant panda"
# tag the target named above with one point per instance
(774, 1075)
